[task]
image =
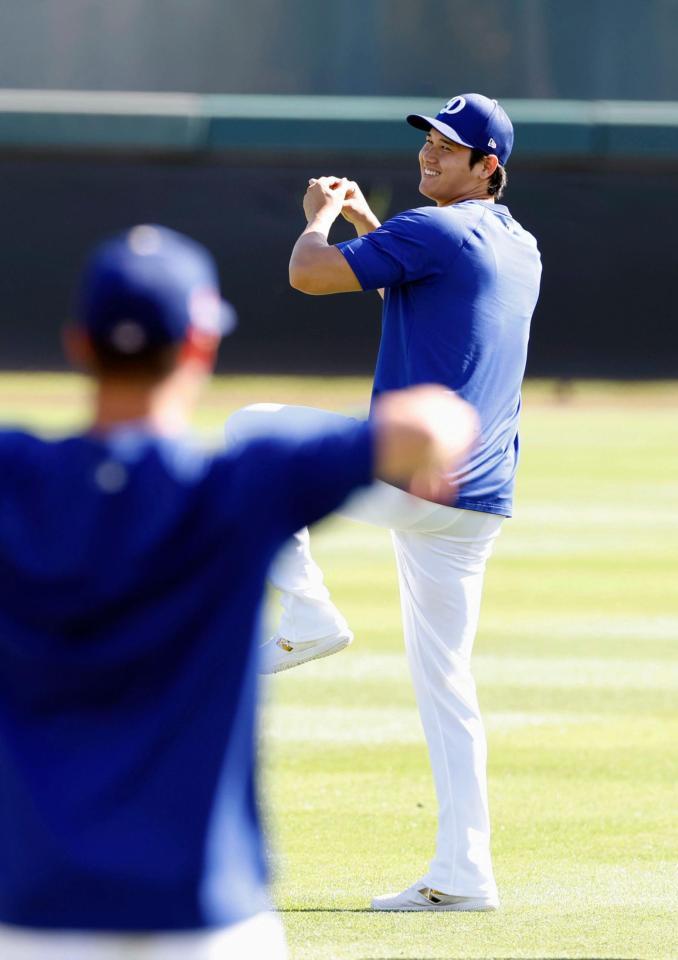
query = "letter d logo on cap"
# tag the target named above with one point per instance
(454, 105)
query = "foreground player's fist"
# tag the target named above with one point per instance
(424, 437)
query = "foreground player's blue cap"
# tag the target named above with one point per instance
(148, 287)
(473, 121)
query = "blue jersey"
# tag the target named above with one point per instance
(131, 573)
(461, 285)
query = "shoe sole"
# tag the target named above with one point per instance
(475, 906)
(338, 644)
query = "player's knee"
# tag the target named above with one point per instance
(250, 421)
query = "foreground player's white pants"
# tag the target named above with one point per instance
(260, 936)
(441, 555)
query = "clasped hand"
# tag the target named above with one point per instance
(335, 195)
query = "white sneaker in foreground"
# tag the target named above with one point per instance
(421, 897)
(280, 654)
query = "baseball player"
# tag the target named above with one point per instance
(132, 565)
(460, 281)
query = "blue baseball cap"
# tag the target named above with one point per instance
(473, 121)
(148, 287)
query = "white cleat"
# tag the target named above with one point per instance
(421, 897)
(280, 654)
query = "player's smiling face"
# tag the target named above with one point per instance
(445, 173)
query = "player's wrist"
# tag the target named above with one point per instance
(363, 221)
(321, 221)
(365, 224)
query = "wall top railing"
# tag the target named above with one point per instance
(188, 123)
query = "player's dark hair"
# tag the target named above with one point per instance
(497, 182)
(152, 363)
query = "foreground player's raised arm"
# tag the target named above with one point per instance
(422, 436)
(293, 477)
(414, 440)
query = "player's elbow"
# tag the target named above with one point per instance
(299, 278)
(305, 280)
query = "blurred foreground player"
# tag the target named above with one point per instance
(132, 566)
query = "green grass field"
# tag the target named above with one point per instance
(577, 675)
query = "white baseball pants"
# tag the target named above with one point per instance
(441, 554)
(260, 936)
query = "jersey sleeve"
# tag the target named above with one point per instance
(410, 246)
(290, 483)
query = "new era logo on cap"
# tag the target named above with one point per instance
(472, 120)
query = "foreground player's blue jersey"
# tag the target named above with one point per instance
(131, 573)
(461, 285)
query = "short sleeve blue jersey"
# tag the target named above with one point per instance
(461, 285)
(131, 573)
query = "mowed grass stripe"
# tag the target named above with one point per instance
(516, 671)
(381, 725)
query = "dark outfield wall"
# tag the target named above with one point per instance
(606, 231)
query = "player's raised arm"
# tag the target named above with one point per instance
(423, 434)
(357, 210)
(316, 267)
